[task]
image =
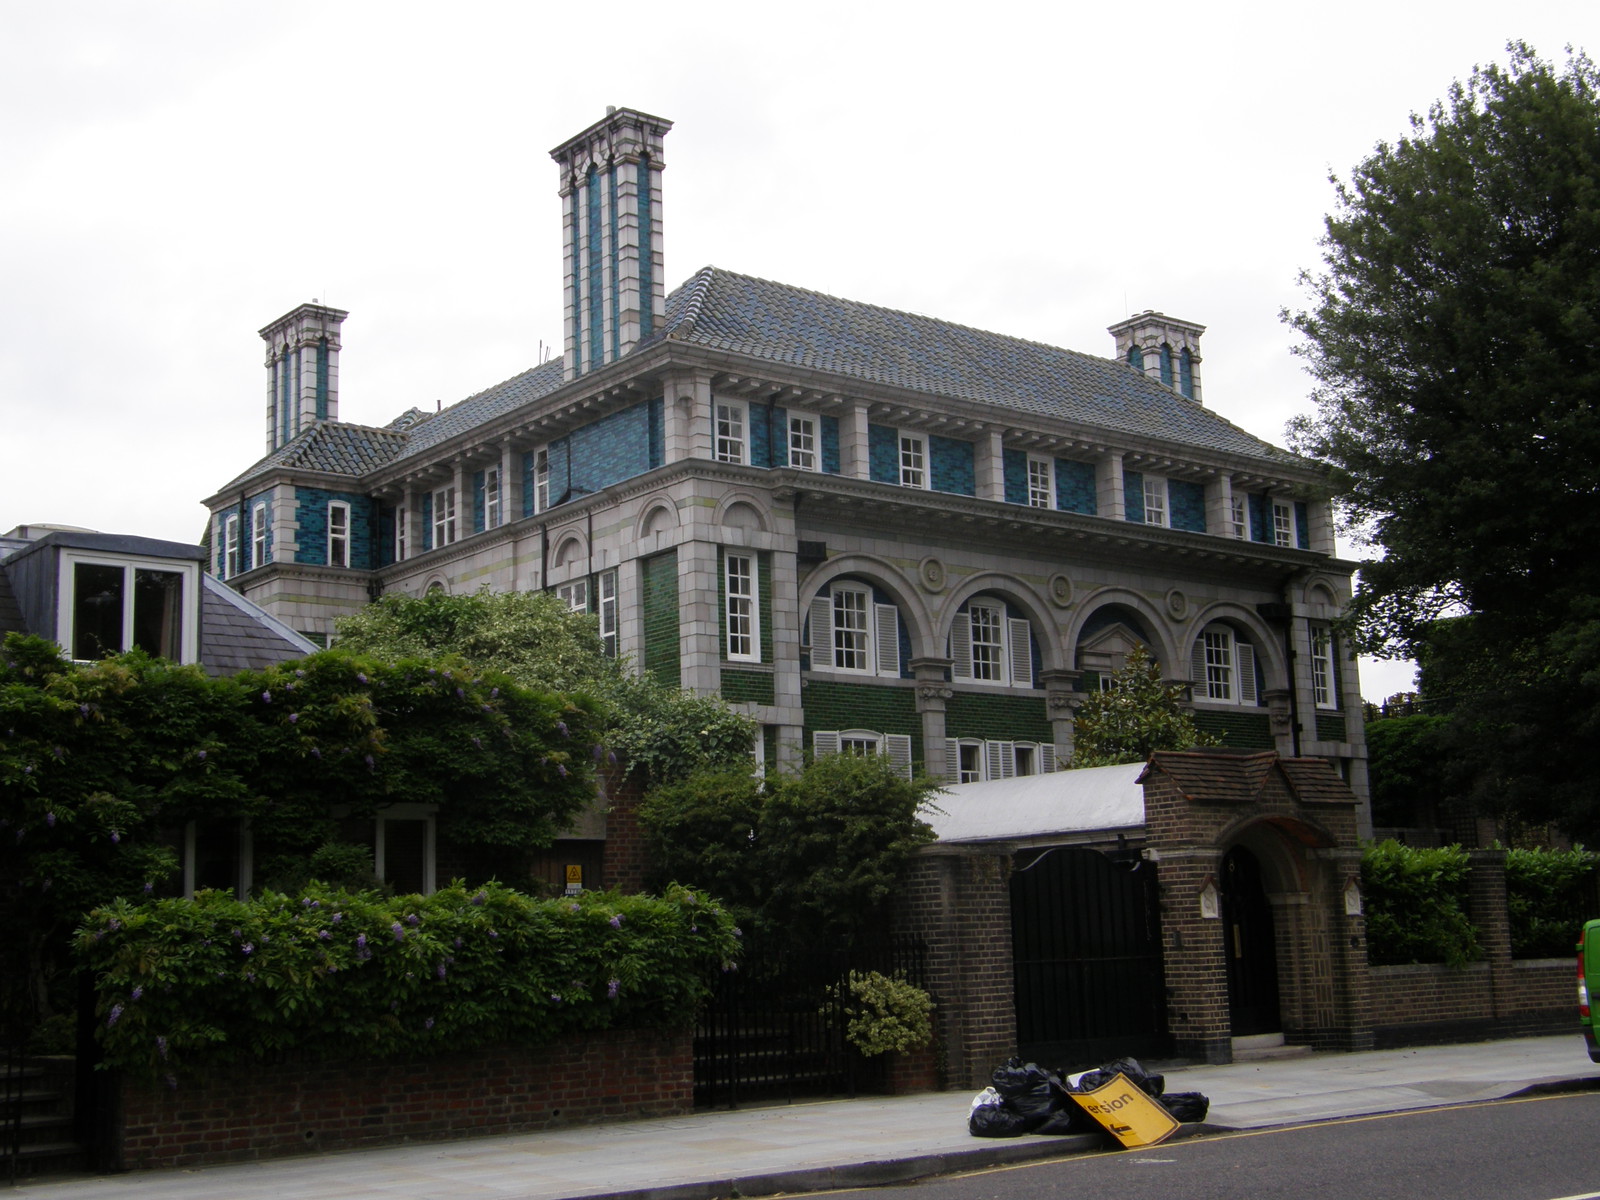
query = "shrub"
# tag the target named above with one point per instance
(1415, 902)
(1548, 893)
(336, 974)
(884, 1013)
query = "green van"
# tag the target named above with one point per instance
(1588, 964)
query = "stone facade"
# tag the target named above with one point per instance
(947, 536)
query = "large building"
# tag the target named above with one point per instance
(864, 528)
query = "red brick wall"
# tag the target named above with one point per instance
(625, 861)
(1540, 996)
(273, 1110)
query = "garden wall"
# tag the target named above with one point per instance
(229, 1114)
(1426, 1003)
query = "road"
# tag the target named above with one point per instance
(1535, 1148)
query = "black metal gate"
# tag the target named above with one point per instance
(1086, 949)
(773, 1030)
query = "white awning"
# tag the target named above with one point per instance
(1061, 802)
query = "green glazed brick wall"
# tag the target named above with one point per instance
(659, 586)
(1241, 730)
(1331, 727)
(748, 687)
(831, 705)
(997, 718)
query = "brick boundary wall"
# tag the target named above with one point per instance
(1423, 1003)
(262, 1111)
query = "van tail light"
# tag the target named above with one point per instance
(1583, 989)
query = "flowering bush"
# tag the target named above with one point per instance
(335, 974)
(884, 1013)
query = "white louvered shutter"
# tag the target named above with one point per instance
(1021, 653)
(1244, 655)
(888, 638)
(822, 632)
(952, 760)
(1197, 666)
(961, 647)
(825, 741)
(1001, 759)
(898, 747)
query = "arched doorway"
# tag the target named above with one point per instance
(1251, 951)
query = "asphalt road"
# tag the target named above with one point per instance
(1535, 1148)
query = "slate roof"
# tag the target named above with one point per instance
(790, 326)
(237, 635)
(1228, 777)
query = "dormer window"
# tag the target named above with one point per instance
(111, 605)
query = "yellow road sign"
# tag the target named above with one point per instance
(1127, 1113)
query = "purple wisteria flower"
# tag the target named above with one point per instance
(50, 819)
(428, 1024)
(201, 755)
(561, 770)
(308, 902)
(561, 728)
(136, 994)
(83, 710)
(113, 1016)
(612, 989)
(293, 717)
(316, 753)
(494, 693)
(399, 931)
(248, 949)
(480, 897)
(149, 887)
(574, 908)
(361, 678)
(372, 764)
(161, 1046)
(616, 921)
(457, 943)
(325, 935)
(555, 997)
(337, 917)
(116, 838)
(477, 744)
(440, 971)
(266, 697)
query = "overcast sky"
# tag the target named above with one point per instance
(173, 176)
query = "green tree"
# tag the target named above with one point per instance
(1408, 766)
(809, 857)
(1454, 335)
(1136, 716)
(661, 733)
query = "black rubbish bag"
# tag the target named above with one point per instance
(1070, 1119)
(1188, 1107)
(1032, 1092)
(1150, 1083)
(994, 1121)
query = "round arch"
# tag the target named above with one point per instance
(569, 549)
(1154, 624)
(658, 515)
(1045, 629)
(883, 574)
(1268, 645)
(742, 510)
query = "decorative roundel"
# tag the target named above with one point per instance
(1177, 604)
(1061, 590)
(931, 573)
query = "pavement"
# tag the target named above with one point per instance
(843, 1143)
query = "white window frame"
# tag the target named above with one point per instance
(574, 594)
(541, 479)
(1323, 693)
(491, 498)
(230, 545)
(1239, 517)
(338, 533)
(606, 610)
(803, 443)
(444, 516)
(244, 858)
(258, 535)
(401, 517)
(896, 746)
(974, 760)
(1010, 663)
(846, 621)
(1224, 668)
(1041, 482)
(430, 845)
(730, 431)
(189, 602)
(1283, 523)
(742, 607)
(912, 456)
(1155, 500)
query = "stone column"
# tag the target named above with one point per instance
(855, 458)
(1062, 695)
(933, 692)
(991, 466)
(1109, 499)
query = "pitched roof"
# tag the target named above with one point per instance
(236, 634)
(333, 447)
(795, 327)
(475, 410)
(1229, 777)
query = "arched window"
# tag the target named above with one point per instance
(1186, 374)
(853, 629)
(1136, 358)
(989, 645)
(1166, 364)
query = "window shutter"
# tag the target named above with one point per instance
(961, 646)
(1000, 760)
(1021, 653)
(1197, 666)
(888, 638)
(822, 632)
(952, 760)
(825, 741)
(1244, 655)
(898, 747)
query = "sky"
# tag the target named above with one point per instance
(176, 175)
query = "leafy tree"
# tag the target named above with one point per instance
(1136, 716)
(1454, 335)
(661, 733)
(1407, 767)
(809, 857)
